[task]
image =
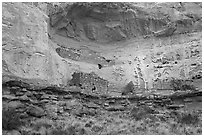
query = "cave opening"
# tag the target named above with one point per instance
(108, 60)
(100, 66)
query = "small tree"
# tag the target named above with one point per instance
(129, 88)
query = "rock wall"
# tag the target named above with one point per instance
(110, 22)
(28, 53)
(149, 44)
(92, 84)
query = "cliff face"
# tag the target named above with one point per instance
(150, 44)
(110, 22)
(28, 53)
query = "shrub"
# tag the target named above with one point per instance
(38, 125)
(129, 88)
(189, 119)
(60, 131)
(178, 84)
(71, 130)
(10, 119)
(75, 81)
(141, 112)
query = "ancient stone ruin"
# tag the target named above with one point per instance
(104, 63)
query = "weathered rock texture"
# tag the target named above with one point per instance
(110, 22)
(150, 44)
(91, 82)
(47, 111)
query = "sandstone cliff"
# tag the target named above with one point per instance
(106, 45)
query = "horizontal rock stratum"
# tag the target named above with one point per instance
(101, 47)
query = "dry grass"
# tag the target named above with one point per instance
(140, 120)
(143, 122)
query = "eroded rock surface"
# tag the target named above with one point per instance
(110, 22)
(47, 107)
(101, 68)
(150, 44)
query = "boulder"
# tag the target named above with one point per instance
(15, 105)
(13, 132)
(35, 111)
